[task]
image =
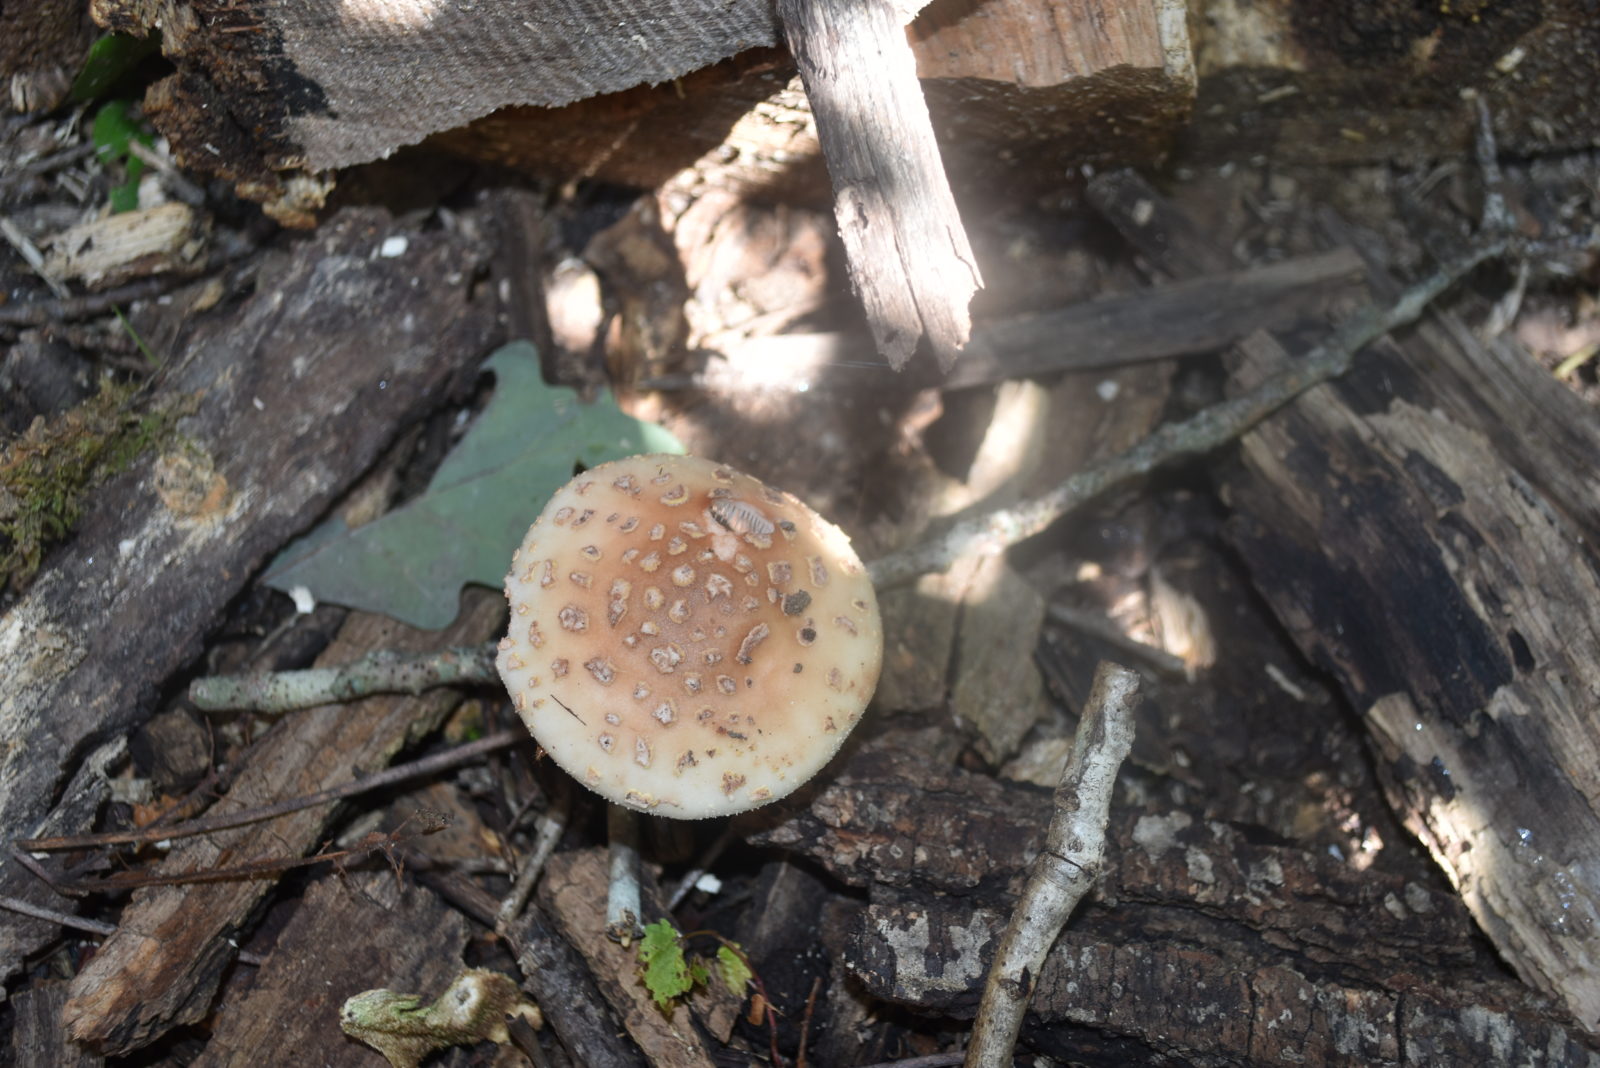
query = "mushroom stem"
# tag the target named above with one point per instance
(623, 908)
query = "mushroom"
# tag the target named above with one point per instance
(686, 640)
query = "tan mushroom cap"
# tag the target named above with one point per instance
(686, 640)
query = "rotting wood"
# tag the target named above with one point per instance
(909, 258)
(104, 626)
(163, 965)
(571, 892)
(560, 981)
(36, 1035)
(1154, 323)
(350, 933)
(1422, 530)
(1196, 921)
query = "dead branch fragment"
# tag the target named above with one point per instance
(1199, 433)
(1066, 869)
(381, 672)
(909, 258)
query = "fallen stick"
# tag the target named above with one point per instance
(1065, 870)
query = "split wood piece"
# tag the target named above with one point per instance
(966, 636)
(559, 980)
(164, 963)
(632, 95)
(1355, 511)
(36, 1034)
(570, 893)
(1162, 321)
(909, 258)
(348, 934)
(1064, 871)
(120, 611)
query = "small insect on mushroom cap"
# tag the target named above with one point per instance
(686, 640)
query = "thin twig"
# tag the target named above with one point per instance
(1098, 625)
(376, 842)
(1065, 870)
(703, 865)
(551, 824)
(380, 672)
(82, 923)
(29, 252)
(1200, 433)
(462, 754)
(176, 182)
(68, 308)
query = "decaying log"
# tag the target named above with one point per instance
(299, 394)
(1202, 943)
(36, 1035)
(350, 933)
(1458, 602)
(164, 963)
(1424, 529)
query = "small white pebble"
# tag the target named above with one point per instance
(708, 883)
(260, 405)
(1108, 390)
(393, 247)
(127, 545)
(304, 602)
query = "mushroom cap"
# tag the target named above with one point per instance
(686, 640)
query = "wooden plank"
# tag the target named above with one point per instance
(301, 391)
(909, 259)
(163, 964)
(1155, 323)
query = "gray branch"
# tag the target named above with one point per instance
(1067, 868)
(380, 672)
(1200, 433)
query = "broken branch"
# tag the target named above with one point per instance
(1065, 870)
(1200, 433)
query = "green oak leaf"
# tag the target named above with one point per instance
(412, 562)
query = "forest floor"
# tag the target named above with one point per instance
(172, 420)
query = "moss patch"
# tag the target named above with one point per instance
(46, 472)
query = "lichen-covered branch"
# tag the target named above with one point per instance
(1065, 870)
(380, 672)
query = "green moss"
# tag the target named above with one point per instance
(46, 472)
